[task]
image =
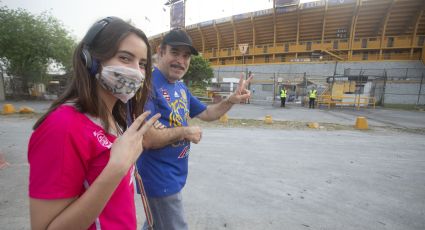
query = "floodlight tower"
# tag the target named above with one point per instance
(177, 13)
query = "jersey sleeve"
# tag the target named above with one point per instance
(150, 106)
(56, 158)
(196, 106)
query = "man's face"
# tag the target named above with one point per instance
(174, 62)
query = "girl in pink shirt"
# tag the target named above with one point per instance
(81, 153)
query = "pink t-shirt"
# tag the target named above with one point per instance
(66, 153)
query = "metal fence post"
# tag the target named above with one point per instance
(274, 89)
(383, 89)
(420, 89)
(305, 88)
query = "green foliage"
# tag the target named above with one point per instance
(29, 43)
(199, 73)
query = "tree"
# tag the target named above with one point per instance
(199, 73)
(30, 43)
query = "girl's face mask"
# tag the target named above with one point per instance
(121, 81)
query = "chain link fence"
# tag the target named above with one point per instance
(396, 86)
(388, 86)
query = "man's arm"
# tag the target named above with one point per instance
(159, 136)
(213, 112)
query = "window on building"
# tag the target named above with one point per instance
(335, 45)
(390, 42)
(387, 55)
(308, 46)
(421, 40)
(364, 43)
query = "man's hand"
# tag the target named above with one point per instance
(193, 134)
(241, 93)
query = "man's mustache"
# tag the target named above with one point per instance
(177, 66)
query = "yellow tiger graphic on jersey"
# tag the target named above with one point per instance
(175, 117)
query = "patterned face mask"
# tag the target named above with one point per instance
(121, 81)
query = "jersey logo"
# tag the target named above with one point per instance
(183, 93)
(176, 95)
(165, 94)
(103, 140)
(185, 152)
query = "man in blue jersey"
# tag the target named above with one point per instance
(163, 165)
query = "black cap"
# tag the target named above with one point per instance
(179, 37)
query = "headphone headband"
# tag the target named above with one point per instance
(90, 63)
(95, 30)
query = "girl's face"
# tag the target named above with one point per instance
(131, 53)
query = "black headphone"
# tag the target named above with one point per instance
(92, 64)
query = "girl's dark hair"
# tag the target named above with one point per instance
(82, 90)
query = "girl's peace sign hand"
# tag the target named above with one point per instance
(128, 147)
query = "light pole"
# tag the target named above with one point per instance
(177, 13)
(243, 48)
(243, 65)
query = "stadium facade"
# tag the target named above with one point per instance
(317, 40)
(326, 30)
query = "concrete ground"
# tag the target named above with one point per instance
(260, 178)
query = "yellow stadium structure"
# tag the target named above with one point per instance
(324, 30)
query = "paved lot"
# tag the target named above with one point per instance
(260, 178)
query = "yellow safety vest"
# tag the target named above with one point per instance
(282, 93)
(312, 93)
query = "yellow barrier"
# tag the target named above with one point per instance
(361, 123)
(224, 118)
(268, 119)
(26, 109)
(8, 109)
(356, 101)
(313, 125)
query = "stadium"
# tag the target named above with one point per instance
(370, 48)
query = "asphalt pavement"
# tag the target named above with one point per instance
(259, 178)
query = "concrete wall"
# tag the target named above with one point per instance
(395, 68)
(404, 93)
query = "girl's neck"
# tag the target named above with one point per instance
(109, 101)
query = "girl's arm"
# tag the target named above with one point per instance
(81, 212)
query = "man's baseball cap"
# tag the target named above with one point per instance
(178, 37)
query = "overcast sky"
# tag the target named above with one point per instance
(149, 15)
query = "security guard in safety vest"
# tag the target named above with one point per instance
(283, 92)
(312, 94)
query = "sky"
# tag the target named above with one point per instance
(152, 16)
